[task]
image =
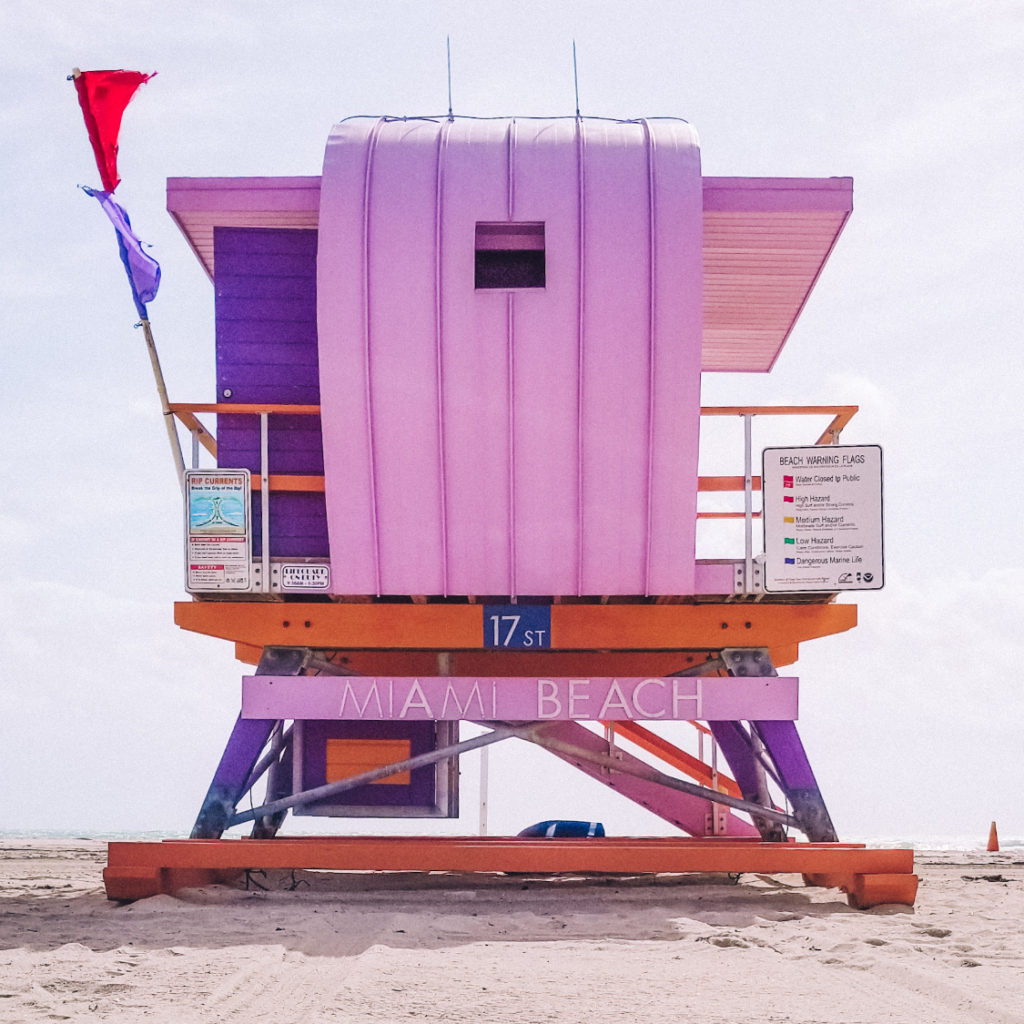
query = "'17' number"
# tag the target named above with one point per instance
(497, 621)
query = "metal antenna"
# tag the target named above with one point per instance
(448, 44)
(575, 80)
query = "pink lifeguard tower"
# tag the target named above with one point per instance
(456, 480)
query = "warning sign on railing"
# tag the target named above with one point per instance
(218, 542)
(822, 518)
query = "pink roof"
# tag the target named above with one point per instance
(766, 241)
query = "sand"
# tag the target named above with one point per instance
(358, 948)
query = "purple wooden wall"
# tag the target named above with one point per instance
(420, 792)
(267, 352)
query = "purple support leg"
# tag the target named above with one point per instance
(735, 745)
(783, 746)
(247, 740)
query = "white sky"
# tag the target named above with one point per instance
(113, 719)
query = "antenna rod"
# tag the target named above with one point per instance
(448, 44)
(575, 80)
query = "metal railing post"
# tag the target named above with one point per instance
(265, 500)
(748, 505)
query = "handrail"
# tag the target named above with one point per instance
(841, 415)
(187, 412)
(245, 408)
(265, 482)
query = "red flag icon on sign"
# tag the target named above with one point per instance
(787, 481)
(103, 96)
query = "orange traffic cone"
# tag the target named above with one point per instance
(993, 839)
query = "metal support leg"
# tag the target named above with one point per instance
(779, 744)
(782, 744)
(248, 738)
(279, 777)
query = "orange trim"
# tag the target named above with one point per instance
(206, 439)
(286, 482)
(727, 515)
(841, 414)
(782, 656)
(142, 869)
(335, 626)
(248, 654)
(583, 627)
(243, 408)
(725, 483)
(699, 626)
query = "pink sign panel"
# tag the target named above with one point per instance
(531, 699)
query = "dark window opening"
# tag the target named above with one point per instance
(510, 256)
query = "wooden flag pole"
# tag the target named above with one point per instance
(172, 433)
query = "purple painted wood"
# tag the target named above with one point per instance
(735, 746)
(681, 809)
(454, 698)
(298, 526)
(787, 751)
(420, 791)
(267, 353)
(300, 334)
(783, 745)
(248, 738)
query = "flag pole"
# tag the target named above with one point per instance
(161, 388)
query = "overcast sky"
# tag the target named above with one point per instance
(113, 719)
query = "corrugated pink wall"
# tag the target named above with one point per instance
(530, 441)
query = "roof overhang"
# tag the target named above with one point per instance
(766, 241)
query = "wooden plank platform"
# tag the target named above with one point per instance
(136, 870)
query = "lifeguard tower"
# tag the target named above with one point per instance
(456, 480)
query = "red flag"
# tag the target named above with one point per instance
(103, 96)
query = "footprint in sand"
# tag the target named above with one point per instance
(724, 941)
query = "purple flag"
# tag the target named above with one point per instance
(143, 271)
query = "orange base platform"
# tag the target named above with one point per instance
(136, 870)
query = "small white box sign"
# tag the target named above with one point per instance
(304, 576)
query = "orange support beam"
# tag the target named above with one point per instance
(138, 869)
(672, 755)
(574, 627)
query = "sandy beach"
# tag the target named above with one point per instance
(356, 947)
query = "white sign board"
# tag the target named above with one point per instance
(822, 517)
(218, 541)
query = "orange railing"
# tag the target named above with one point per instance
(202, 437)
(188, 414)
